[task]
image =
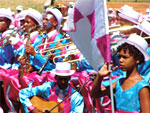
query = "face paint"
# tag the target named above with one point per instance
(49, 24)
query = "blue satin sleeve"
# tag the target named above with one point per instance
(77, 102)
(7, 56)
(58, 51)
(38, 62)
(27, 93)
(144, 69)
(9, 53)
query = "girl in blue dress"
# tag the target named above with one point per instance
(131, 92)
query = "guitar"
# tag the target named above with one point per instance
(45, 105)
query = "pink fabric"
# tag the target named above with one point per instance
(37, 79)
(2, 37)
(18, 44)
(77, 56)
(106, 100)
(113, 21)
(92, 21)
(30, 108)
(54, 35)
(103, 44)
(86, 91)
(11, 77)
(50, 39)
(34, 37)
(77, 15)
(107, 104)
(17, 23)
(66, 103)
(84, 77)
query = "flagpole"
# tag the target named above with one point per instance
(108, 64)
(111, 90)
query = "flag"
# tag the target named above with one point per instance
(87, 25)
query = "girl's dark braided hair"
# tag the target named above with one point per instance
(133, 51)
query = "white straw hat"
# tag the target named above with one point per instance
(19, 7)
(35, 15)
(110, 9)
(63, 69)
(6, 13)
(138, 42)
(57, 14)
(21, 15)
(147, 10)
(129, 14)
(144, 27)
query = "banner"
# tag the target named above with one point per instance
(87, 25)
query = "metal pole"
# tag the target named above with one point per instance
(111, 90)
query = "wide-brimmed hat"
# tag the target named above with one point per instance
(6, 13)
(19, 7)
(138, 42)
(57, 14)
(147, 10)
(110, 9)
(144, 27)
(128, 13)
(63, 69)
(46, 4)
(35, 15)
(21, 15)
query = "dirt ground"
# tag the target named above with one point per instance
(38, 4)
(139, 7)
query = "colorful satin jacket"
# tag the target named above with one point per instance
(6, 52)
(39, 60)
(36, 39)
(48, 91)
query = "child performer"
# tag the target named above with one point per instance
(131, 92)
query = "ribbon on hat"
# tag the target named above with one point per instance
(62, 71)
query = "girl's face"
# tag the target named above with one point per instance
(126, 61)
(4, 24)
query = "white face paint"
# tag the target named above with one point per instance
(49, 16)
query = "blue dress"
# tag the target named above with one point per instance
(128, 100)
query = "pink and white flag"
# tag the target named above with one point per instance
(87, 25)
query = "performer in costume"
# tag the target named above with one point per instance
(51, 91)
(132, 88)
(51, 23)
(12, 80)
(7, 57)
(6, 50)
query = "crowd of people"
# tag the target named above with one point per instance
(38, 59)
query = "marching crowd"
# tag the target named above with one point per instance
(38, 59)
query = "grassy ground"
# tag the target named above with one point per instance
(36, 4)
